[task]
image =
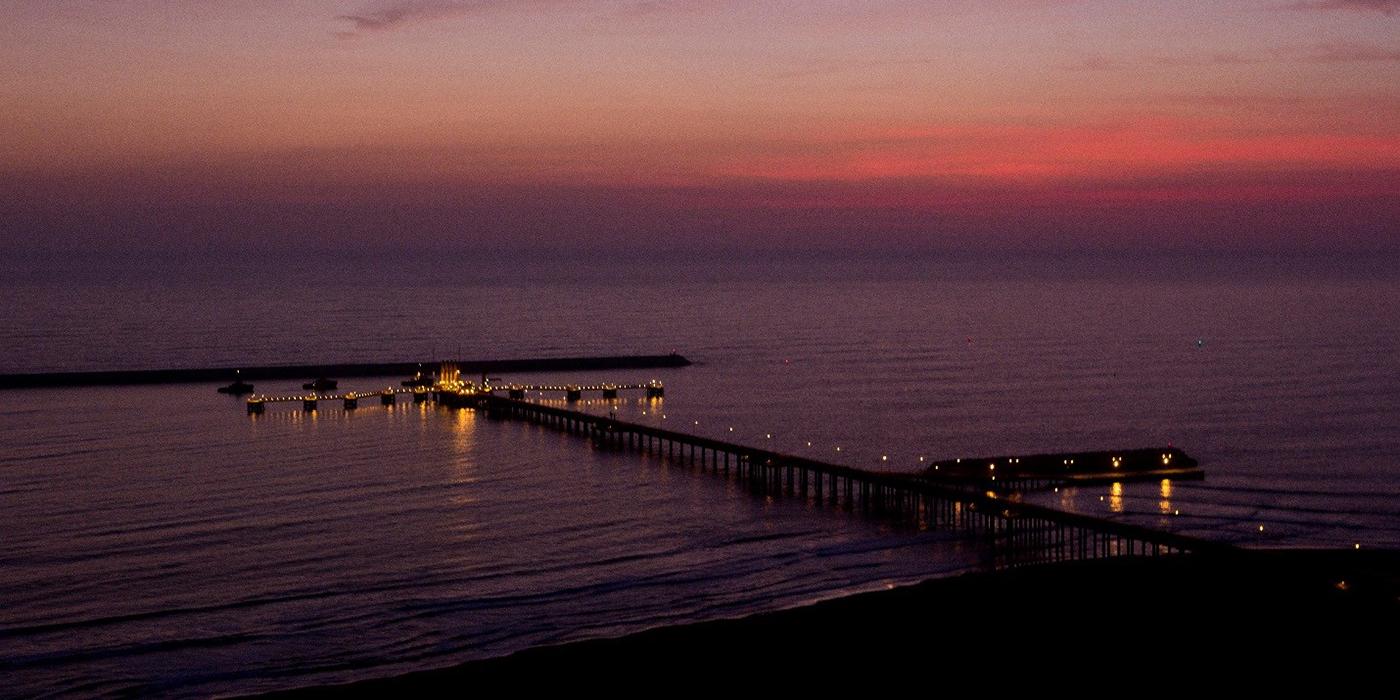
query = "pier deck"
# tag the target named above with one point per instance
(1024, 533)
(1021, 533)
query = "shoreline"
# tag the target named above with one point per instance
(1318, 604)
(43, 380)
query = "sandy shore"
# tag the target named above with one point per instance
(1333, 608)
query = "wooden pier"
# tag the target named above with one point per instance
(350, 400)
(389, 396)
(1022, 533)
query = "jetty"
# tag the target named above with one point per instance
(364, 369)
(388, 396)
(1022, 533)
(1025, 533)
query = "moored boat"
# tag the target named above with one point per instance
(237, 388)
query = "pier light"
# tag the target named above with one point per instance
(731, 428)
(884, 458)
(992, 466)
(1176, 512)
(1356, 546)
(1117, 462)
(921, 458)
(769, 435)
(1261, 528)
(838, 448)
(809, 443)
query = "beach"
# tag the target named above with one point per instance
(1189, 612)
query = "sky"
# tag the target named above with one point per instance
(368, 125)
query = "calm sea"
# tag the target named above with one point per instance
(157, 539)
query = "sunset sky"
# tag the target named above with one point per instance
(694, 124)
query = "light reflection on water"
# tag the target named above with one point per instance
(407, 537)
(394, 537)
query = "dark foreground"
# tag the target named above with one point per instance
(1274, 615)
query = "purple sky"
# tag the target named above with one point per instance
(1027, 124)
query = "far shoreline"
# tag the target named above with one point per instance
(39, 380)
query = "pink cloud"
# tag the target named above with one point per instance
(1388, 7)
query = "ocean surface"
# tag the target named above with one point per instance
(159, 540)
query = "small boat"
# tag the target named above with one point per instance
(237, 388)
(419, 380)
(321, 384)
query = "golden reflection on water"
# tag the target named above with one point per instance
(1067, 494)
(304, 417)
(1115, 497)
(463, 430)
(1165, 504)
